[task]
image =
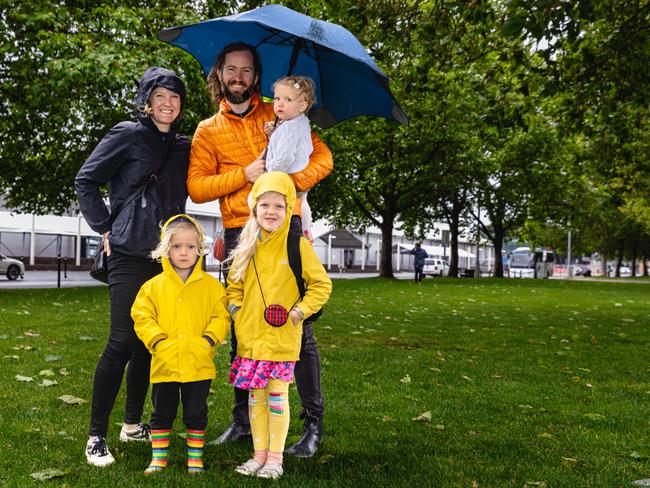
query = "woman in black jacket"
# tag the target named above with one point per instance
(147, 159)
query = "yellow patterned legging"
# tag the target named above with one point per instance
(268, 410)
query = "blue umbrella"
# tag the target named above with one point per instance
(348, 82)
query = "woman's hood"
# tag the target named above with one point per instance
(280, 183)
(153, 78)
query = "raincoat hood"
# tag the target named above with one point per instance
(280, 183)
(152, 79)
(167, 265)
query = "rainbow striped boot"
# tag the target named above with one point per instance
(159, 450)
(195, 443)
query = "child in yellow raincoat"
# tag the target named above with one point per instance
(265, 304)
(180, 315)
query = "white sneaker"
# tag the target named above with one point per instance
(141, 434)
(97, 452)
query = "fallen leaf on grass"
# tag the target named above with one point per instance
(406, 380)
(538, 484)
(71, 400)
(325, 459)
(24, 379)
(31, 333)
(57, 304)
(595, 416)
(424, 417)
(386, 418)
(49, 473)
(466, 378)
(12, 356)
(87, 338)
(22, 347)
(525, 407)
(52, 357)
(64, 372)
(367, 373)
(46, 372)
(474, 433)
(569, 460)
(645, 482)
(436, 370)
(439, 427)
(546, 435)
(639, 456)
(46, 383)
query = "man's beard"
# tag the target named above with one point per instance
(237, 98)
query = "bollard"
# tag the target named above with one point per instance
(65, 267)
(58, 271)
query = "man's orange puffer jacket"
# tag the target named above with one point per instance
(225, 144)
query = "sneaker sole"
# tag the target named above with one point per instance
(100, 464)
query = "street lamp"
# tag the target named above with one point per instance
(329, 250)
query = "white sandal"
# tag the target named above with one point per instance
(270, 470)
(249, 468)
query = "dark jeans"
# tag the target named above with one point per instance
(307, 370)
(165, 398)
(418, 273)
(125, 276)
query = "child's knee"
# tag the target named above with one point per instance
(278, 403)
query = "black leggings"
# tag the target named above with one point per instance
(125, 277)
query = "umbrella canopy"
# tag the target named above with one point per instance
(348, 82)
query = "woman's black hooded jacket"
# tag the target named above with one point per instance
(125, 159)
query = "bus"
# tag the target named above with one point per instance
(525, 263)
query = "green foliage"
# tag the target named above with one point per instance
(523, 380)
(69, 74)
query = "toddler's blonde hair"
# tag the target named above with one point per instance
(305, 86)
(173, 228)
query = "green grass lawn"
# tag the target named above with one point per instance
(516, 382)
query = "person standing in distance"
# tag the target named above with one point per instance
(225, 161)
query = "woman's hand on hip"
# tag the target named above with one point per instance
(107, 246)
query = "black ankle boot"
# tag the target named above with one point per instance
(311, 440)
(235, 432)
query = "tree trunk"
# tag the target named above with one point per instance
(645, 265)
(386, 266)
(619, 259)
(634, 256)
(498, 247)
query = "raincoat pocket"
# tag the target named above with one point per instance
(164, 362)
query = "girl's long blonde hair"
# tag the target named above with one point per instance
(246, 245)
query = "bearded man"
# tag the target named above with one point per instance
(225, 160)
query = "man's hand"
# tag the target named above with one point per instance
(255, 170)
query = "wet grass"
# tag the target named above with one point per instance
(513, 382)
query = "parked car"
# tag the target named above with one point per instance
(13, 268)
(435, 267)
(582, 271)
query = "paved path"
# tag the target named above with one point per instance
(48, 279)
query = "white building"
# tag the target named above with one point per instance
(32, 237)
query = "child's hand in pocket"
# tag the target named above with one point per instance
(296, 316)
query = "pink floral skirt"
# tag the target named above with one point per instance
(249, 374)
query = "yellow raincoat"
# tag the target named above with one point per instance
(181, 313)
(255, 338)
